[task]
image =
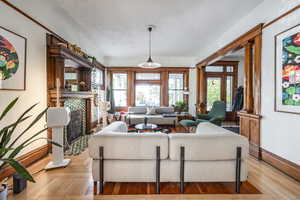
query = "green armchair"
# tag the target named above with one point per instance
(215, 116)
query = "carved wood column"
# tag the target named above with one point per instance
(257, 74)
(130, 88)
(248, 79)
(165, 89)
(201, 104)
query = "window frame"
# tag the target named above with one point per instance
(184, 86)
(112, 81)
(148, 82)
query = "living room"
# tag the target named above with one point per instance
(149, 99)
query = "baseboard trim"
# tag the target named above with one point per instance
(287, 167)
(26, 160)
(255, 151)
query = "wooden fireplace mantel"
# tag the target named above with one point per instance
(68, 94)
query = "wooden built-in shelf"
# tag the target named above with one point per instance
(61, 51)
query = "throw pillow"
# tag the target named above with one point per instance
(151, 111)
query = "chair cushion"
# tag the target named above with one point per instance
(140, 146)
(188, 123)
(137, 110)
(162, 110)
(154, 119)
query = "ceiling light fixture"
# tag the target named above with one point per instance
(149, 63)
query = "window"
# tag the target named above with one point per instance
(213, 91)
(147, 76)
(214, 68)
(147, 89)
(176, 87)
(120, 89)
(229, 93)
(147, 95)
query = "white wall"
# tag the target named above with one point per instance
(35, 71)
(193, 90)
(279, 131)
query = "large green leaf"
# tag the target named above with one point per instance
(293, 49)
(8, 107)
(8, 130)
(21, 146)
(22, 171)
(30, 125)
(43, 138)
(5, 149)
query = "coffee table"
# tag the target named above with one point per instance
(144, 127)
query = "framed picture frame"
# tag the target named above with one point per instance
(13, 48)
(287, 70)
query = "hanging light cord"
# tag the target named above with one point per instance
(150, 29)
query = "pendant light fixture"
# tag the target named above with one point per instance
(149, 63)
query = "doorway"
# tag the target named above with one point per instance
(221, 85)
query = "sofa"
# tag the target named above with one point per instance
(212, 154)
(161, 116)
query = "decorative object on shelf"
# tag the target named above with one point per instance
(75, 49)
(62, 44)
(74, 88)
(150, 64)
(82, 86)
(11, 145)
(287, 76)
(12, 60)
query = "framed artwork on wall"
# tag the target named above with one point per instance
(12, 60)
(287, 71)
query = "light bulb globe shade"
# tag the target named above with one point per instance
(149, 65)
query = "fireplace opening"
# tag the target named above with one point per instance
(75, 127)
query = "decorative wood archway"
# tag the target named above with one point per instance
(250, 115)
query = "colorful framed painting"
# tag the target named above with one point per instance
(287, 76)
(12, 60)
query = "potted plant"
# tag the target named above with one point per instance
(10, 144)
(180, 106)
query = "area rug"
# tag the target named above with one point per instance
(235, 129)
(173, 188)
(78, 146)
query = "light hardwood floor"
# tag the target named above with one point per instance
(75, 183)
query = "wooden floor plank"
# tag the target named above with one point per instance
(75, 182)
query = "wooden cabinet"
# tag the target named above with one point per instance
(250, 128)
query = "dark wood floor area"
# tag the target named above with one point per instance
(173, 188)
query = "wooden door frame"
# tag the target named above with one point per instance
(250, 116)
(223, 75)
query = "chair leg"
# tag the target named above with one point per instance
(101, 165)
(95, 187)
(182, 169)
(238, 170)
(158, 170)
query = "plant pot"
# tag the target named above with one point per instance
(3, 194)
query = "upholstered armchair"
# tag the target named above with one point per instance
(215, 116)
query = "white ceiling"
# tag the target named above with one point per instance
(117, 28)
